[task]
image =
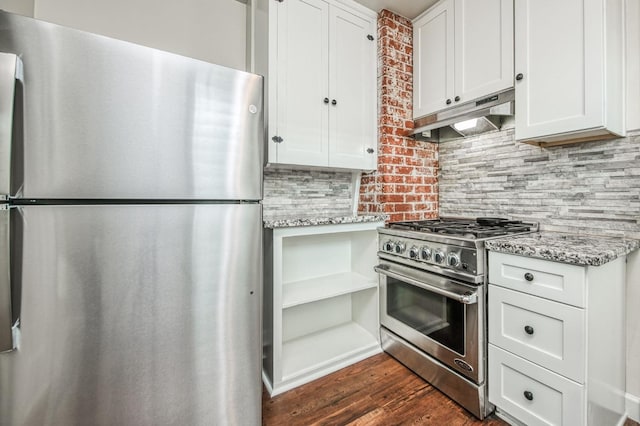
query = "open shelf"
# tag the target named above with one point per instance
(321, 301)
(314, 289)
(316, 350)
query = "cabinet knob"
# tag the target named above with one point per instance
(370, 150)
(528, 276)
(519, 76)
(369, 37)
(277, 139)
(457, 98)
(334, 102)
(448, 101)
(528, 329)
(528, 395)
(326, 100)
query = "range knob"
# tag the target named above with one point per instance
(425, 253)
(400, 248)
(413, 252)
(453, 259)
(438, 257)
(389, 246)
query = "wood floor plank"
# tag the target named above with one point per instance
(376, 391)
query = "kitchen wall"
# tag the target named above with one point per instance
(633, 335)
(632, 13)
(404, 186)
(300, 193)
(212, 31)
(22, 7)
(590, 187)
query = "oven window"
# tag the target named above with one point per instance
(437, 317)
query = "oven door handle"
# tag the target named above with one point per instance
(466, 297)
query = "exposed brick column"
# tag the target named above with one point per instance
(405, 184)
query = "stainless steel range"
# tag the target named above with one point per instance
(433, 301)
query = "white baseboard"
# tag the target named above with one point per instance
(633, 407)
(267, 382)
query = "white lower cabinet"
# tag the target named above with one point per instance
(532, 394)
(556, 341)
(548, 333)
(321, 301)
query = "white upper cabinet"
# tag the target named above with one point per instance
(352, 77)
(463, 50)
(319, 62)
(484, 47)
(301, 116)
(433, 46)
(569, 64)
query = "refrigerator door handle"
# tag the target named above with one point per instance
(10, 71)
(7, 341)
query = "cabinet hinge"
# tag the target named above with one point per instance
(370, 37)
(277, 139)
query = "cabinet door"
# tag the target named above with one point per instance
(302, 83)
(559, 51)
(532, 394)
(352, 71)
(483, 48)
(551, 334)
(433, 59)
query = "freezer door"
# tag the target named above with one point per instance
(135, 315)
(102, 118)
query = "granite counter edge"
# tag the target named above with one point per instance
(314, 221)
(546, 247)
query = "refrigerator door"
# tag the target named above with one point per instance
(135, 315)
(106, 119)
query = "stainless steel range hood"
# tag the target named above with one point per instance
(468, 119)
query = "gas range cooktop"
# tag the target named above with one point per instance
(466, 228)
(447, 246)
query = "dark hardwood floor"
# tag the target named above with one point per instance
(376, 391)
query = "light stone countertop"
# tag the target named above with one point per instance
(574, 249)
(311, 221)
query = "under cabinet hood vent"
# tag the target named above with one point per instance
(468, 119)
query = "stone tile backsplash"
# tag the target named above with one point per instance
(303, 193)
(591, 187)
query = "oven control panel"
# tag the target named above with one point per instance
(425, 252)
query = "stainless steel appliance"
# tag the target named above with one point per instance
(433, 296)
(130, 233)
(468, 119)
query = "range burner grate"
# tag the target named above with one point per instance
(466, 228)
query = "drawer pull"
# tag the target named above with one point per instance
(528, 276)
(528, 395)
(528, 329)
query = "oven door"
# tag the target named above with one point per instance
(438, 315)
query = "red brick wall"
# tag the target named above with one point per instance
(405, 185)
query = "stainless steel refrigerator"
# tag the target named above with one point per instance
(130, 233)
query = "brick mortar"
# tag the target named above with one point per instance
(404, 186)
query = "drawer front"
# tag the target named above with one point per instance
(532, 394)
(550, 334)
(552, 280)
